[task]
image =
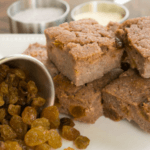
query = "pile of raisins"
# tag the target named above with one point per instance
(22, 127)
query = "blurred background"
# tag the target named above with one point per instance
(137, 8)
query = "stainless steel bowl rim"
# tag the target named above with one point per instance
(26, 57)
(62, 16)
(107, 2)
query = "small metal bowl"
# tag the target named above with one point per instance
(100, 6)
(36, 72)
(22, 27)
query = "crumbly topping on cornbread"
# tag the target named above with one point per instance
(83, 39)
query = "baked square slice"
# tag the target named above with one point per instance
(135, 35)
(128, 97)
(84, 102)
(83, 50)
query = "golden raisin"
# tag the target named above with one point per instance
(38, 102)
(32, 87)
(4, 88)
(2, 102)
(29, 114)
(36, 136)
(66, 122)
(58, 44)
(77, 111)
(30, 98)
(70, 133)
(12, 80)
(55, 124)
(54, 140)
(2, 114)
(52, 114)
(12, 145)
(19, 73)
(23, 87)
(32, 91)
(18, 126)
(81, 142)
(7, 133)
(43, 146)
(41, 122)
(4, 67)
(21, 143)
(14, 109)
(69, 148)
(3, 72)
(13, 95)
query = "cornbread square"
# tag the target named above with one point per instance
(85, 100)
(39, 52)
(135, 35)
(128, 97)
(83, 50)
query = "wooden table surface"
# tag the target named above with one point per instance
(137, 8)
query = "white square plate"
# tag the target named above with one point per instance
(104, 134)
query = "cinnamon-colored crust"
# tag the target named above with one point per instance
(83, 50)
(128, 97)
